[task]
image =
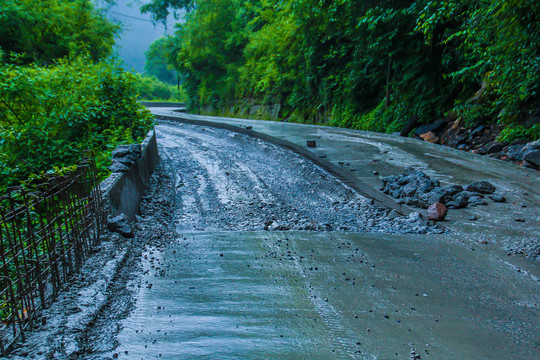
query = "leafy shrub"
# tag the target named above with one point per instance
(50, 115)
(150, 88)
(513, 132)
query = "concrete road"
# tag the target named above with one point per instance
(304, 295)
(226, 288)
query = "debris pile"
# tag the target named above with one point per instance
(415, 188)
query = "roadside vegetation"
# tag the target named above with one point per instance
(61, 91)
(367, 65)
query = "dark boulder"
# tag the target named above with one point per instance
(495, 148)
(482, 187)
(436, 126)
(127, 154)
(532, 158)
(459, 200)
(125, 150)
(120, 224)
(409, 126)
(440, 194)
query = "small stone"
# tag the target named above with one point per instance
(472, 218)
(249, 127)
(437, 212)
(322, 156)
(476, 200)
(311, 143)
(375, 173)
(519, 219)
(497, 198)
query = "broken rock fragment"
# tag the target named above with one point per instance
(120, 224)
(437, 212)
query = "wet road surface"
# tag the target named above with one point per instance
(271, 258)
(300, 295)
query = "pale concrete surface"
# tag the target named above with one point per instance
(305, 295)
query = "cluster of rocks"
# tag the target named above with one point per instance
(124, 156)
(415, 188)
(480, 139)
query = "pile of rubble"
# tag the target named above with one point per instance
(415, 188)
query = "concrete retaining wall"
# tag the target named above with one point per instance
(123, 191)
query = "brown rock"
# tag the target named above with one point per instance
(430, 137)
(437, 212)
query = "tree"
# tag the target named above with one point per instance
(48, 30)
(160, 9)
(158, 61)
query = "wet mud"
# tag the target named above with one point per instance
(231, 182)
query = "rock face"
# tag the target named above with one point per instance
(415, 188)
(120, 225)
(437, 212)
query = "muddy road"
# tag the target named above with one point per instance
(244, 250)
(231, 182)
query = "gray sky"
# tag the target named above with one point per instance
(138, 32)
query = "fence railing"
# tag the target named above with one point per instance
(45, 235)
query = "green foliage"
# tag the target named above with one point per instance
(160, 9)
(515, 131)
(159, 59)
(366, 64)
(50, 115)
(150, 88)
(47, 30)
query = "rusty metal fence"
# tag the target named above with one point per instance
(45, 235)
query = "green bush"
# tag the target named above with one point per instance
(513, 132)
(50, 115)
(150, 88)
